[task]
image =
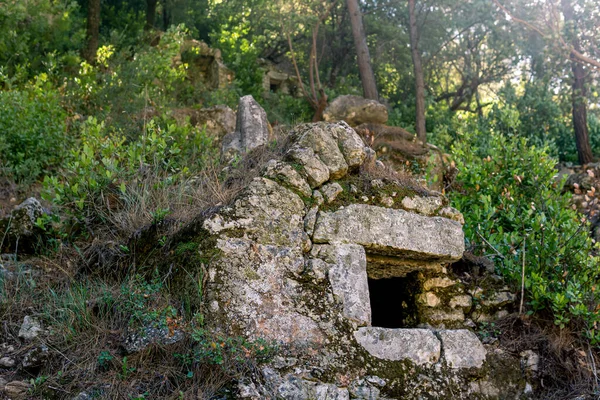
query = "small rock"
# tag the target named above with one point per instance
(289, 176)
(375, 380)
(318, 197)
(247, 390)
(530, 361)
(462, 349)
(82, 396)
(438, 283)
(422, 205)
(310, 219)
(331, 191)
(361, 389)
(315, 170)
(464, 301)
(429, 299)
(386, 201)
(353, 188)
(7, 362)
(251, 130)
(377, 183)
(453, 214)
(420, 346)
(35, 358)
(499, 299)
(17, 390)
(30, 329)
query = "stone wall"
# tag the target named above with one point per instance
(316, 255)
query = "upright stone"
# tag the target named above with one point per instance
(251, 130)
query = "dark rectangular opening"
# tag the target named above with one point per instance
(393, 301)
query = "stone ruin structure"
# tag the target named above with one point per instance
(349, 275)
(276, 80)
(205, 65)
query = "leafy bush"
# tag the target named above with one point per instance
(31, 32)
(107, 173)
(33, 137)
(511, 200)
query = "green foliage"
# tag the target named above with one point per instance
(33, 133)
(509, 197)
(286, 109)
(235, 354)
(104, 360)
(141, 303)
(106, 164)
(32, 33)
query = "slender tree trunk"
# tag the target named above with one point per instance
(93, 31)
(582, 139)
(418, 68)
(362, 51)
(150, 14)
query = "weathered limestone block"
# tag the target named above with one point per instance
(18, 229)
(331, 191)
(266, 211)
(462, 349)
(423, 205)
(284, 172)
(251, 129)
(251, 285)
(463, 301)
(420, 346)
(381, 267)
(429, 299)
(348, 278)
(499, 299)
(392, 232)
(318, 137)
(355, 110)
(438, 282)
(350, 143)
(316, 171)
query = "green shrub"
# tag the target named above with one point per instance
(33, 137)
(510, 199)
(108, 174)
(236, 355)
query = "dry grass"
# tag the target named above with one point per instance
(567, 363)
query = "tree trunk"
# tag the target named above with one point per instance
(418, 68)
(93, 31)
(578, 96)
(150, 14)
(362, 51)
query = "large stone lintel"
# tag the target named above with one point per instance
(392, 232)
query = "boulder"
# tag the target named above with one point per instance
(19, 227)
(355, 110)
(252, 129)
